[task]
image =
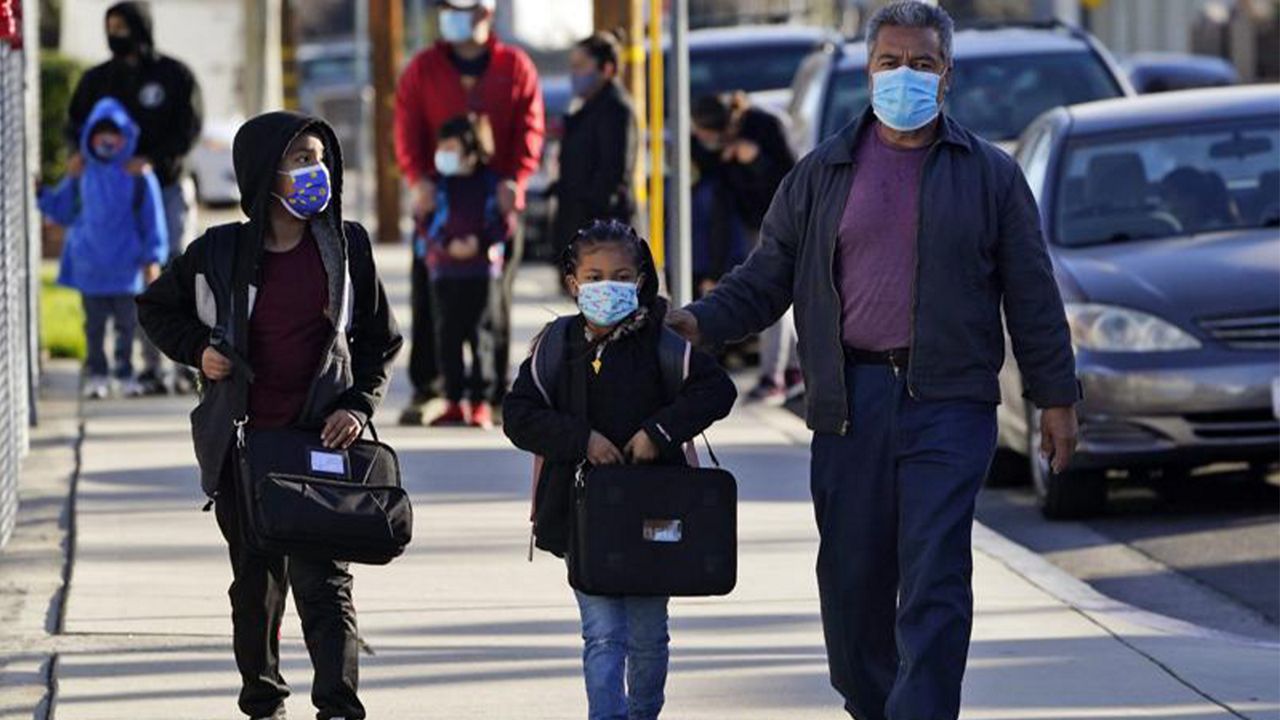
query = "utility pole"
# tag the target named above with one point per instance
(682, 229)
(610, 15)
(657, 170)
(386, 38)
(262, 66)
(289, 53)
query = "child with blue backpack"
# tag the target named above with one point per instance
(463, 244)
(115, 243)
(596, 390)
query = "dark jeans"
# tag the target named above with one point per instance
(894, 500)
(424, 373)
(123, 314)
(461, 306)
(322, 595)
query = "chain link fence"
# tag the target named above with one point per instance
(16, 319)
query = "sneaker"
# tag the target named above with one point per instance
(152, 383)
(185, 381)
(795, 384)
(97, 388)
(133, 388)
(453, 415)
(414, 414)
(767, 392)
(279, 714)
(482, 416)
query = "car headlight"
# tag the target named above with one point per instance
(1107, 328)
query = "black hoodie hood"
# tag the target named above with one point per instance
(260, 144)
(137, 15)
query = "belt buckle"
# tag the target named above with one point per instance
(895, 362)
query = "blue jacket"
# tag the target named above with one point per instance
(115, 220)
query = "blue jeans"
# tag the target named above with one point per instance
(624, 655)
(124, 315)
(894, 500)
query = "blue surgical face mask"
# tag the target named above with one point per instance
(905, 99)
(310, 193)
(608, 302)
(456, 25)
(583, 84)
(448, 162)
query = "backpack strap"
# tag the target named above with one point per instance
(674, 356)
(548, 357)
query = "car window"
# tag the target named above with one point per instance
(1169, 183)
(1034, 160)
(996, 97)
(745, 68)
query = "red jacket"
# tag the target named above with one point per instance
(431, 92)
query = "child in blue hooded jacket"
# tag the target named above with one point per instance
(115, 243)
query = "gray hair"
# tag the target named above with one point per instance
(912, 14)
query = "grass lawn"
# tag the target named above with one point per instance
(61, 317)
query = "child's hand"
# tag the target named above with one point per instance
(214, 364)
(75, 165)
(602, 452)
(150, 273)
(464, 248)
(641, 449)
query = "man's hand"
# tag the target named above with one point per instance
(464, 248)
(424, 198)
(138, 165)
(75, 165)
(685, 324)
(640, 449)
(602, 452)
(341, 429)
(507, 196)
(744, 152)
(150, 273)
(215, 365)
(1058, 435)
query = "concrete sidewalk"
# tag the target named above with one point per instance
(463, 627)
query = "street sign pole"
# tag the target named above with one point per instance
(681, 274)
(657, 168)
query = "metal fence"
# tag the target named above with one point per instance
(16, 321)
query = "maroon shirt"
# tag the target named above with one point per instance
(876, 252)
(288, 331)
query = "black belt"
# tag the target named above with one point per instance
(896, 358)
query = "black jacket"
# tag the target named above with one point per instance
(597, 158)
(627, 396)
(205, 297)
(750, 187)
(160, 93)
(980, 249)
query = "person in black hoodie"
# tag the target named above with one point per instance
(162, 96)
(287, 321)
(609, 404)
(598, 150)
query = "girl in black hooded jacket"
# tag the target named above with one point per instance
(608, 404)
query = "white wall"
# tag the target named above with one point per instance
(545, 24)
(205, 34)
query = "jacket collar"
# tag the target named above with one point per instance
(844, 145)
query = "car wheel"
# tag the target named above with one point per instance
(1074, 494)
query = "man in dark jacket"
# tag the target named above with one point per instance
(163, 98)
(598, 150)
(469, 71)
(289, 324)
(900, 241)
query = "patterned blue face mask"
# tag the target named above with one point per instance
(905, 99)
(608, 302)
(309, 191)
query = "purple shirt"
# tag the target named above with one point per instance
(876, 252)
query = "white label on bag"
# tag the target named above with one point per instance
(328, 463)
(663, 531)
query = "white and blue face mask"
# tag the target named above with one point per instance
(449, 163)
(457, 26)
(309, 192)
(905, 99)
(608, 302)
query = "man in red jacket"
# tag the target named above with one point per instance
(468, 71)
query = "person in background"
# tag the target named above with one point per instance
(598, 150)
(743, 153)
(466, 236)
(162, 96)
(116, 241)
(469, 71)
(314, 352)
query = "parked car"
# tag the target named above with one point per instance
(1162, 72)
(211, 165)
(1004, 77)
(1162, 215)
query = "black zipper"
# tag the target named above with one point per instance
(835, 292)
(915, 279)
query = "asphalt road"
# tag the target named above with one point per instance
(1211, 557)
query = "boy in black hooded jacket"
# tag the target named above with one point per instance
(289, 325)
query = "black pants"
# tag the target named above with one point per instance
(322, 594)
(499, 321)
(424, 373)
(462, 307)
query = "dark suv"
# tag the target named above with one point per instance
(1005, 76)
